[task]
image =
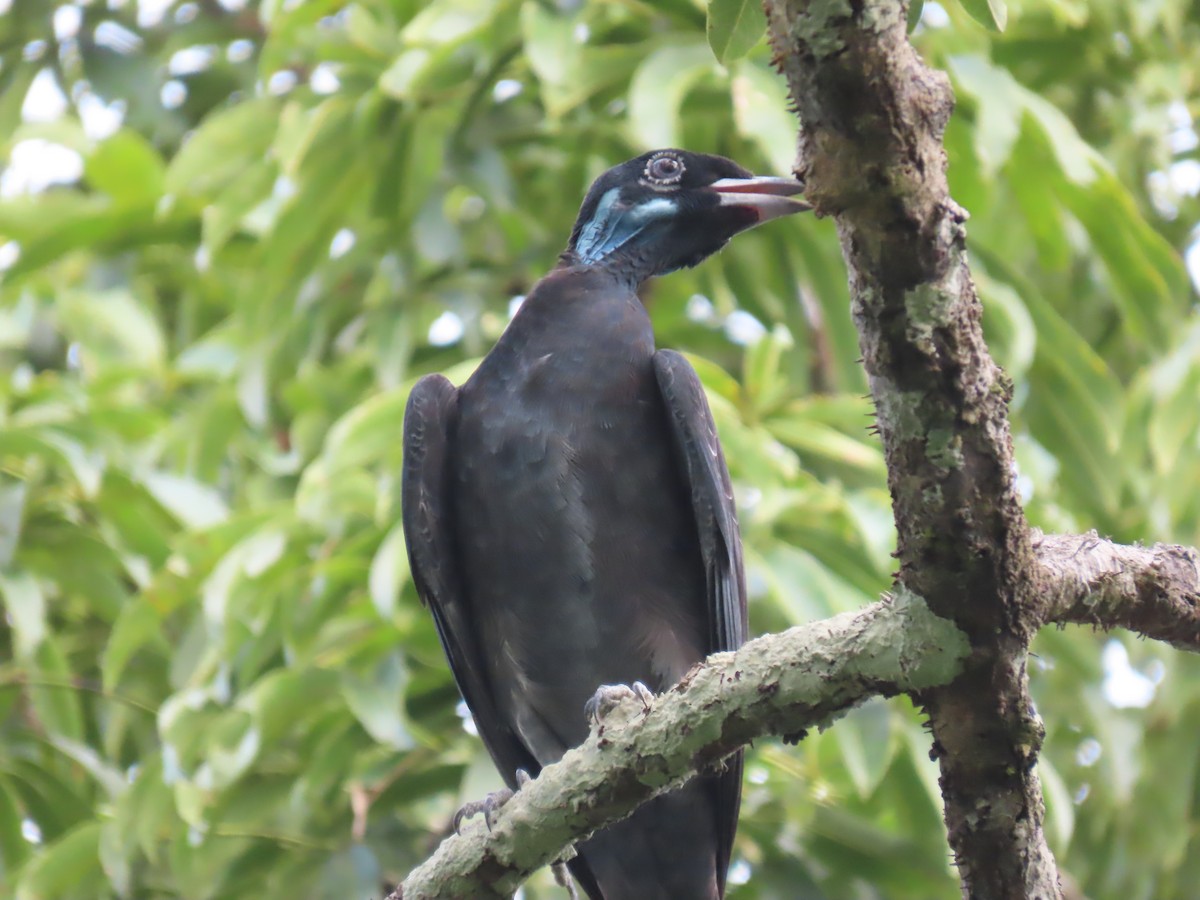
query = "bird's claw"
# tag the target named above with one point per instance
(489, 805)
(609, 696)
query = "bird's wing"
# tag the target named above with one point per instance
(428, 531)
(699, 455)
(698, 452)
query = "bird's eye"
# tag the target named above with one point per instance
(664, 169)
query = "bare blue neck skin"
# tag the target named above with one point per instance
(620, 238)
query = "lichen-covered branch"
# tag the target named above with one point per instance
(871, 154)
(1154, 591)
(778, 684)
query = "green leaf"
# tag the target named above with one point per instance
(806, 589)
(146, 812)
(924, 769)
(1008, 326)
(232, 747)
(1172, 386)
(137, 625)
(367, 432)
(14, 87)
(1005, 104)
(1034, 187)
(765, 385)
(232, 206)
(1078, 411)
(284, 700)
(25, 605)
(992, 14)
(248, 558)
(253, 388)
(54, 694)
(114, 328)
(734, 27)
(127, 168)
(60, 869)
(658, 90)
(1143, 267)
(364, 435)
(447, 23)
(1001, 107)
(864, 738)
(14, 849)
(221, 149)
(1060, 811)
(354, 872)
(550, 46)
(84, 464)
(106, 775)
(54, 802)
(368, 33)
(403, 75)
(569, 69)
(761, 111)
(871, 512)
(116, 854)
(751, 451)
(48, 230)
(194, 504)
(717, 382)
(376, 698)
(812, 439)
(1162, 821)
(389, 572)
(915, 8)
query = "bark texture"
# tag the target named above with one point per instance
(1154, 591)
(871, 154)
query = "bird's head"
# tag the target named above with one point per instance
(670, 209)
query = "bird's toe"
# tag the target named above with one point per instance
(489, 806)
(644, 694)
(609, 696)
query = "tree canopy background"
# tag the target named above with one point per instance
(233, 234)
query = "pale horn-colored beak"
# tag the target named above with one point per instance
(770, 197)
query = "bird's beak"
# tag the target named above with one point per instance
(768, 196)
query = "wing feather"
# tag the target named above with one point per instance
(698, 452)
(427, 513)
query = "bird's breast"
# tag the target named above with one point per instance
(574, 525)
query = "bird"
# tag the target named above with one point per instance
(569, 515)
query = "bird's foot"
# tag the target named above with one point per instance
(489, 805)
(609, 696)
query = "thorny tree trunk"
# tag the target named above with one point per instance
(872, 116)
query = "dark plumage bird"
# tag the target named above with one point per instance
(569, 516)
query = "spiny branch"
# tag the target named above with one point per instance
(1154, 591)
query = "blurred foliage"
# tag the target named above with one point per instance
(269, 219)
